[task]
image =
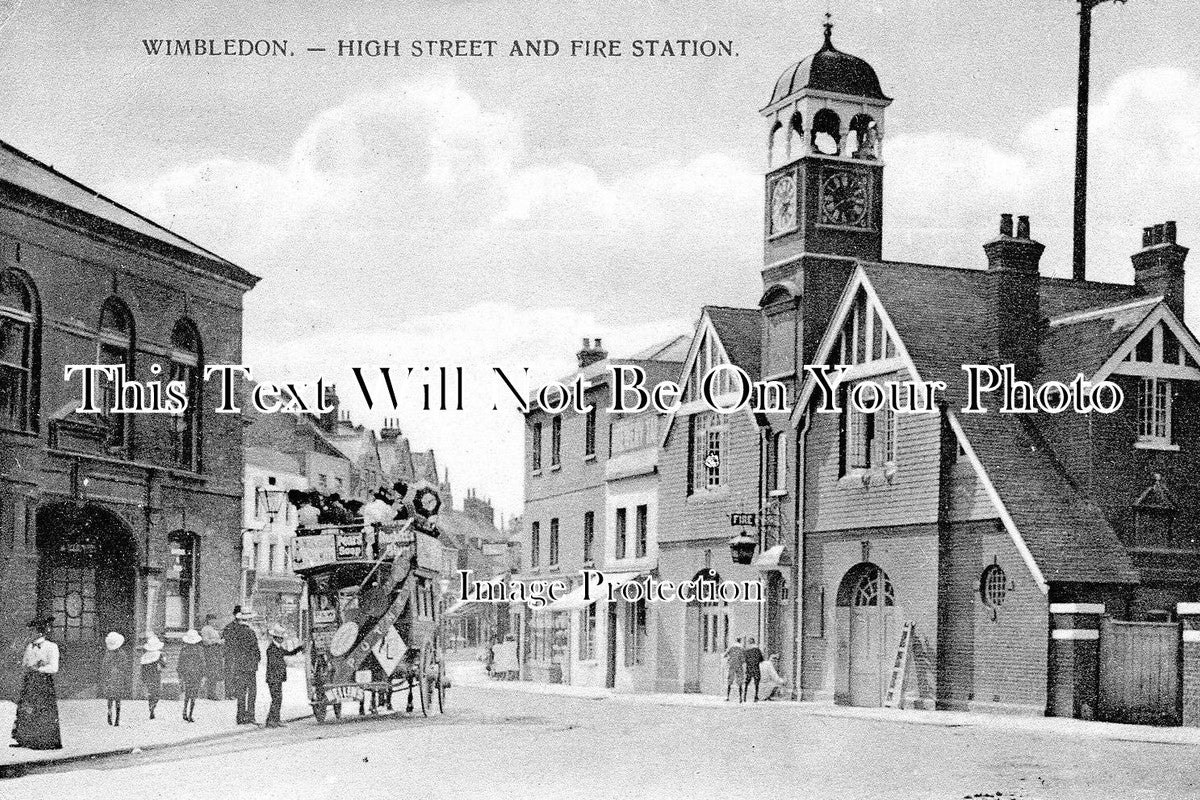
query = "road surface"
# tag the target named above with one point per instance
(500, 743)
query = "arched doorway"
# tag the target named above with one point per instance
(86, 581)
(706, 636)
(866, 604)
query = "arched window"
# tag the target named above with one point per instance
(864, 133)
(827, 132)
(19, 329)
(114, 346)
(185, 367)
(775, 142)
(795, 135)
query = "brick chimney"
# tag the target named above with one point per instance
(390, 429)
(591, 352)
(1158, 266)
(1015, 303)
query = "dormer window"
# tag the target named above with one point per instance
(1162, 365)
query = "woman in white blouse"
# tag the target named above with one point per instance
(36, 726)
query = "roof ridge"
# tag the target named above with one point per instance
(79, 184)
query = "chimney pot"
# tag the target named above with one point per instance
(597, 344)
(1022, 227)
(1006, 228)
(587, 343)
(1158, 268)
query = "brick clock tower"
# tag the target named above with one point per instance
(824, 195)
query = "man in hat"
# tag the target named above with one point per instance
(277, 672)
(36, 726)
(241, 658)
(214, 660)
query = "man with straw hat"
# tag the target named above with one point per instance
(277, 671)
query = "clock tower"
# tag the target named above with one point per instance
(824, 183)
(823, 195)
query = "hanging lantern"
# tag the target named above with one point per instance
(741, 548)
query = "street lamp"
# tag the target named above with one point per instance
(741, 548)
(274, 499)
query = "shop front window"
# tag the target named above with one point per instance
(179, 581)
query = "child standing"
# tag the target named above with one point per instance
(277, 672)
(153, 663)
(114, 675)
(191, 672)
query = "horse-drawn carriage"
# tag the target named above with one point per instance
(371, 629)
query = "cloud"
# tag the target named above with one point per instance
(416, 226)
(944, 192)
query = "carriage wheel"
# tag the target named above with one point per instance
(429, 673)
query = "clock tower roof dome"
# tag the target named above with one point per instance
(829, 70)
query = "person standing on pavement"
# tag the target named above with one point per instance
(241, 659)
(754, 658)
(277, 672)
(114, 675)
(735, 665)
(36, 725)
(214, 661)
(191, 672)
(153, 662)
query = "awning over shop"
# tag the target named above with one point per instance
(774, 558)
(460, 607)
(575, 600)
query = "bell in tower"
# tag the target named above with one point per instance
(824, 183)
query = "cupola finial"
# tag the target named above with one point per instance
(829, 30)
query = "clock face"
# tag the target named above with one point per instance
(783, 204)
(844, 199)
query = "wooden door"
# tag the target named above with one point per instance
(1139, 672)
(872, 614)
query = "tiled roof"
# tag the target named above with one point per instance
(25, 172)
(942, 316)
(740, 331)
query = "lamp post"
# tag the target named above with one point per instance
(274, 499)
(1079, 256)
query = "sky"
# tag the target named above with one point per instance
(412, 211)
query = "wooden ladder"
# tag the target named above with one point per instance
(894, 697)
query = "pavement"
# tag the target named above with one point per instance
(87, 734)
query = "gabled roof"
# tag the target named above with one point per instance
(940, 315)
(25, 172)
(740, 332)
(670, 350)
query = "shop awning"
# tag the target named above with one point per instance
(460, 606)
(575, 600)
(774, 558)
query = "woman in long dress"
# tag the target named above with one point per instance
(36, 726)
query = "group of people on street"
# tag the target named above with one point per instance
(206, 658)
(745, 664)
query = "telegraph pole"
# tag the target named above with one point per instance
(1079, 261)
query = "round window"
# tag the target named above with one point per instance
(993, 586)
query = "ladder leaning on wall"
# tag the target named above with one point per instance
(894, 696)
